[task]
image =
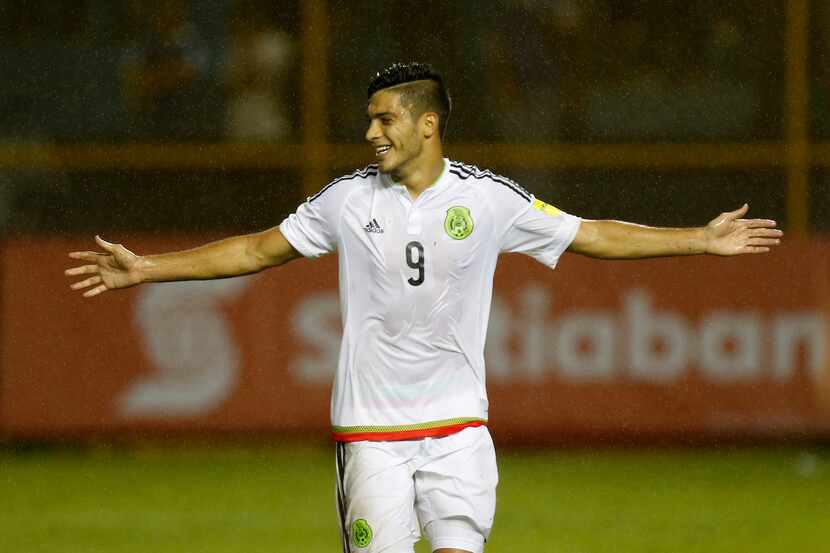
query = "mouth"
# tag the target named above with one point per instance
(381, 151)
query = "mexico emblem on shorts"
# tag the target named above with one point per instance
(459, 222)
(361, 533)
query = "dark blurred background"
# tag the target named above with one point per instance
(221, 115)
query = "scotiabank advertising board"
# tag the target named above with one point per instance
(671, 348)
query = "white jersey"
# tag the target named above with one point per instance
(416, 281)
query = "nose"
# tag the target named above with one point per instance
(373, 131)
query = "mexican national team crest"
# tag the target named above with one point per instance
(361, 533)
(459, 222)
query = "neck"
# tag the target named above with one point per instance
(421, 174)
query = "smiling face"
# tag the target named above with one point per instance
(396, 135)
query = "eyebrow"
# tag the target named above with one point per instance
(381, 114)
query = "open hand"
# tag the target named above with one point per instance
(729, 234)
(117, 268)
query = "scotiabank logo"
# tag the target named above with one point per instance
(642, 342)
(198, 362)
(636, 340)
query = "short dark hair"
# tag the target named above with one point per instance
(424, 89)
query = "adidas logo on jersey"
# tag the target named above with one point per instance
(373, 226)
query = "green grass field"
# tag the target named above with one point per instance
(240, 499)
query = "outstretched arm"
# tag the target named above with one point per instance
(118, 267)
(727, 234)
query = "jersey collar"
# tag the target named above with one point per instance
(438, 186)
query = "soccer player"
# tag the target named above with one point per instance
(417, 237)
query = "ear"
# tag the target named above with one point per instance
(429, 124)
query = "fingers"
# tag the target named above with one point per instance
(99, 259)
(92, 256)
(87, 256)
(91, 281)
(763, 242)
(738, 213)
(727, 219)
(104, 244)
(95, 291)
(760, 240)
(757, 223)
(766, 232)
(755, 249)
(760, 232)
(83, 270)
(763, 236)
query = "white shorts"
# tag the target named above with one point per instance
(388, 493)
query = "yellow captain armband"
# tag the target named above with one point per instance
(547, 209)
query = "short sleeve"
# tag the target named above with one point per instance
(313, 228)
(541, 231)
